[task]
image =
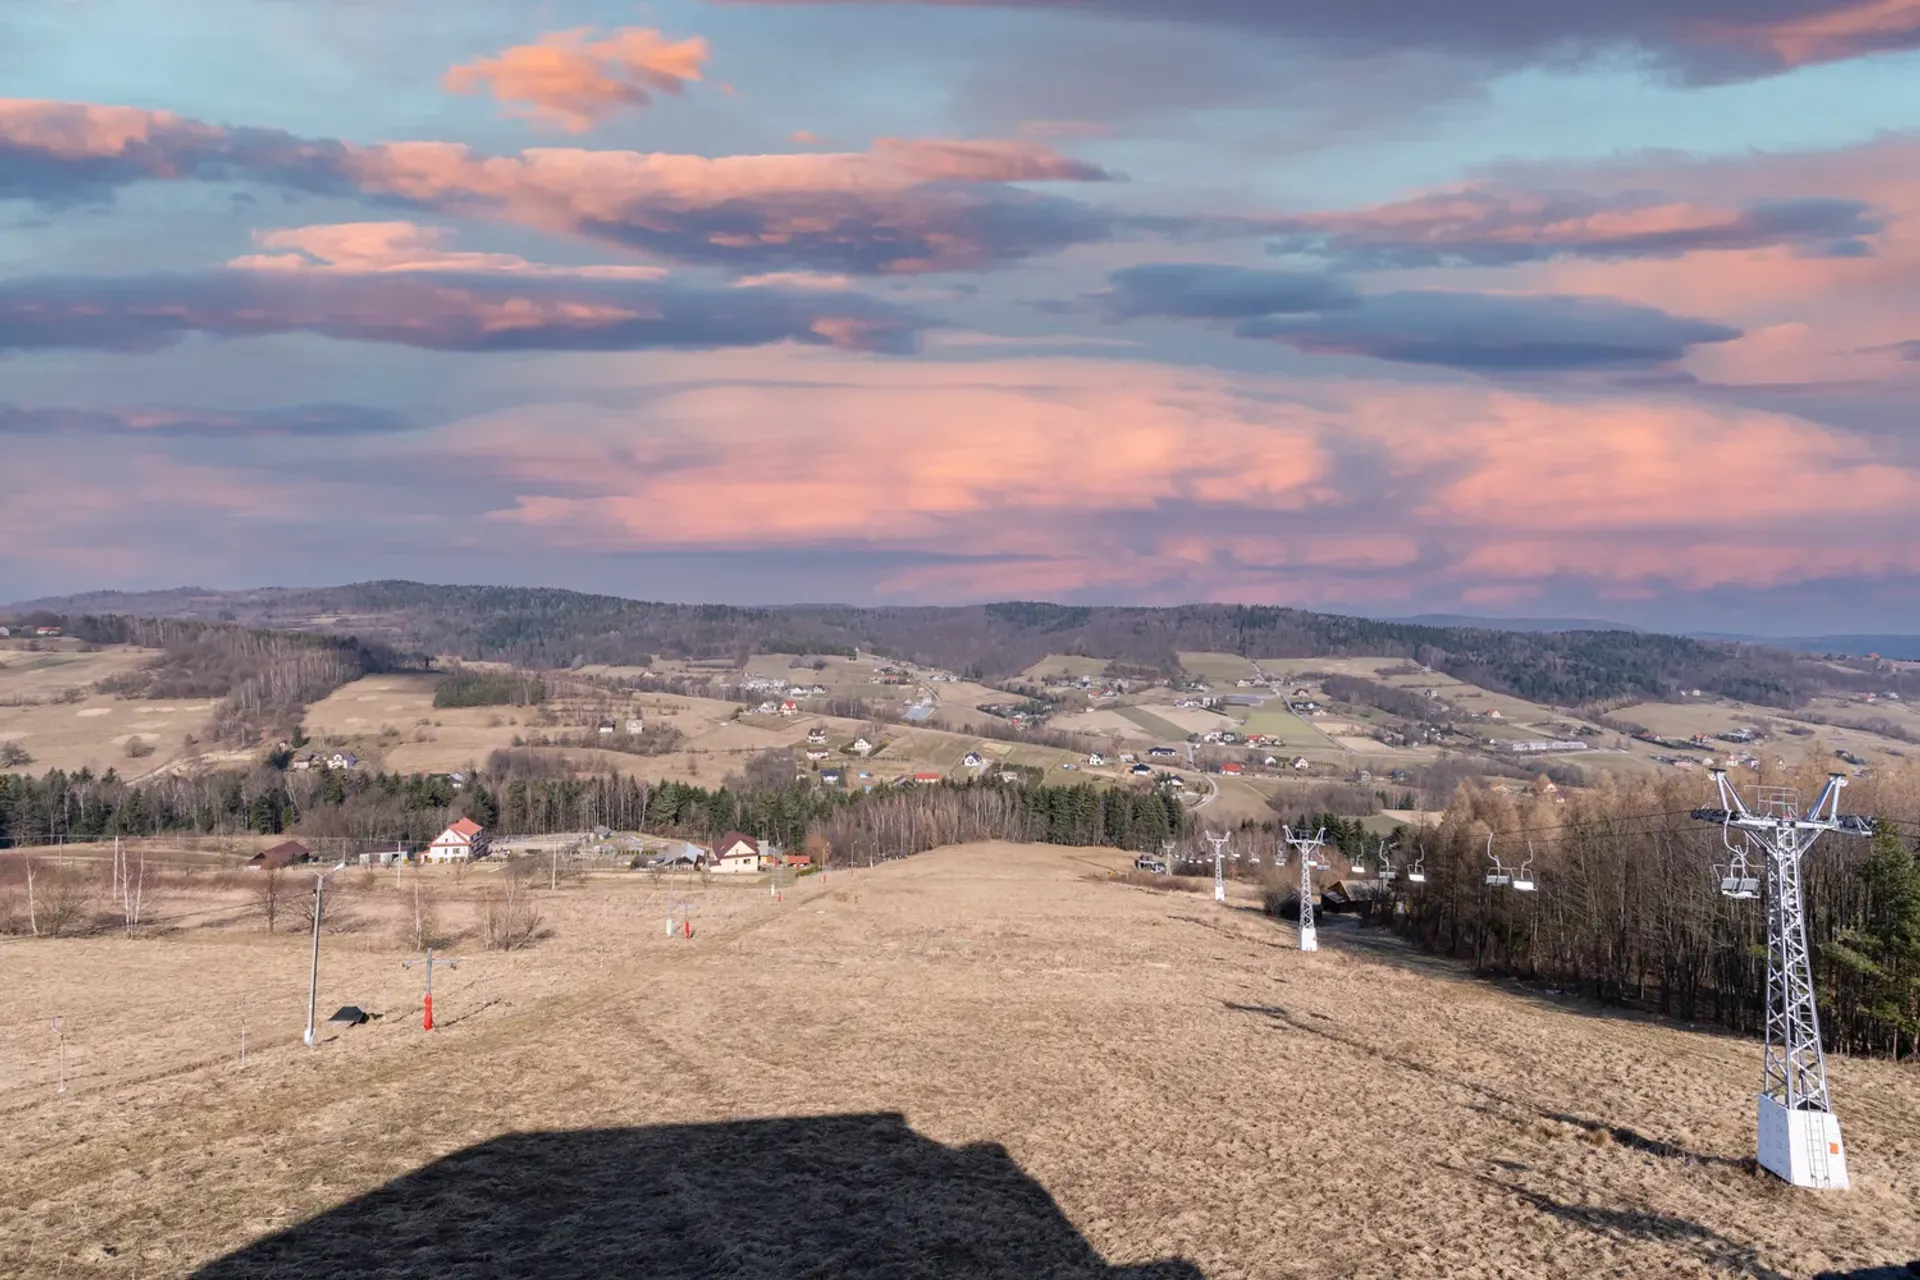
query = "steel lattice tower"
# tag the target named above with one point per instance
(1219, 866)
(1799, 1134)
(1308, 847)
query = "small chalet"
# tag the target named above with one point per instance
(789, 708)
(736, 854)
(461, 842)
(1300, 763)
(861, 747)
(281, 855)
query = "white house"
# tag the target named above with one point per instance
(973, 761)
(1096, 758)
(816, 735)
(636, 725)
(817, 753)
(736, 854)
(462, 841)
(861, 747)
(1301, 763)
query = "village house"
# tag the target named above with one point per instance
(636, 725)
(607, 726)
(1232, 767)
(817, 753)
(973, 761)
(832, 777)
(816, 736)
(789, 708)
(736, 854)
(1161, 752)
(1143, 770)
(925, 776)
(343, 760)
(861, 747)
(285, 854)
(461, 842)
(1300, 763)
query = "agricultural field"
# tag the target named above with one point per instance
(49, 708)
(604, 1102)
(1274, 720)
(1069, 666)
(1217, 668)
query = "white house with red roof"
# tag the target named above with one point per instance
(461, 842)
(736, 854)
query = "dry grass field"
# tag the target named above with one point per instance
(49, 707)
(991, 1060)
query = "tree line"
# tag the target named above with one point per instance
(1628, 908)
(412, 808)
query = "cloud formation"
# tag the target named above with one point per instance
(1487, 225)
(327, 421)
(438, 312)
(904, 206)
(1480, 332)
(1494, 333)
(403, 246)
(1207, 291)
(1699, 40)
(569, 79)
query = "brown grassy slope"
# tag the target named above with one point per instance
(1172, 1074)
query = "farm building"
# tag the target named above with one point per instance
(736, 854)
(281, 855)
(927, 776)
(462, 841)
(681, 854)
(1232, 767)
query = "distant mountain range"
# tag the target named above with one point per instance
(1903, 647)
(1565, 662)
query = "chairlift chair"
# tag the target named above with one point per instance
(1737, 878)
(1417, 873)
(1523, 878)
(1497, 877)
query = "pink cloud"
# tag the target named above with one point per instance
(1829, 36)
(1190, 483)
(380, 247)
(567, 78)
(903, 206)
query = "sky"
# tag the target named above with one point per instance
(1385, 307)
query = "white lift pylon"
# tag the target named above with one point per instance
(1219, 842)
(1799, 1135)
(1308, 848)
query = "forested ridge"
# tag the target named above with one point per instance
(547, 627)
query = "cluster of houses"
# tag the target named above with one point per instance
(321, 760)
(636, 725)
(733, 854)
(40, 633)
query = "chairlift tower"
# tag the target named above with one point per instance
(1309, 848)
(1219, 842)
(1799, 1136)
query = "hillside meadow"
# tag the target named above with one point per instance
(1051, 1071)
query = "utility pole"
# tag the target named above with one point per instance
(426, 1021)
(313, 973)
(1219, 842)
(1799, 1136)
(1307, 847)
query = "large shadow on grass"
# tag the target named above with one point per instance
(828, 1196)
